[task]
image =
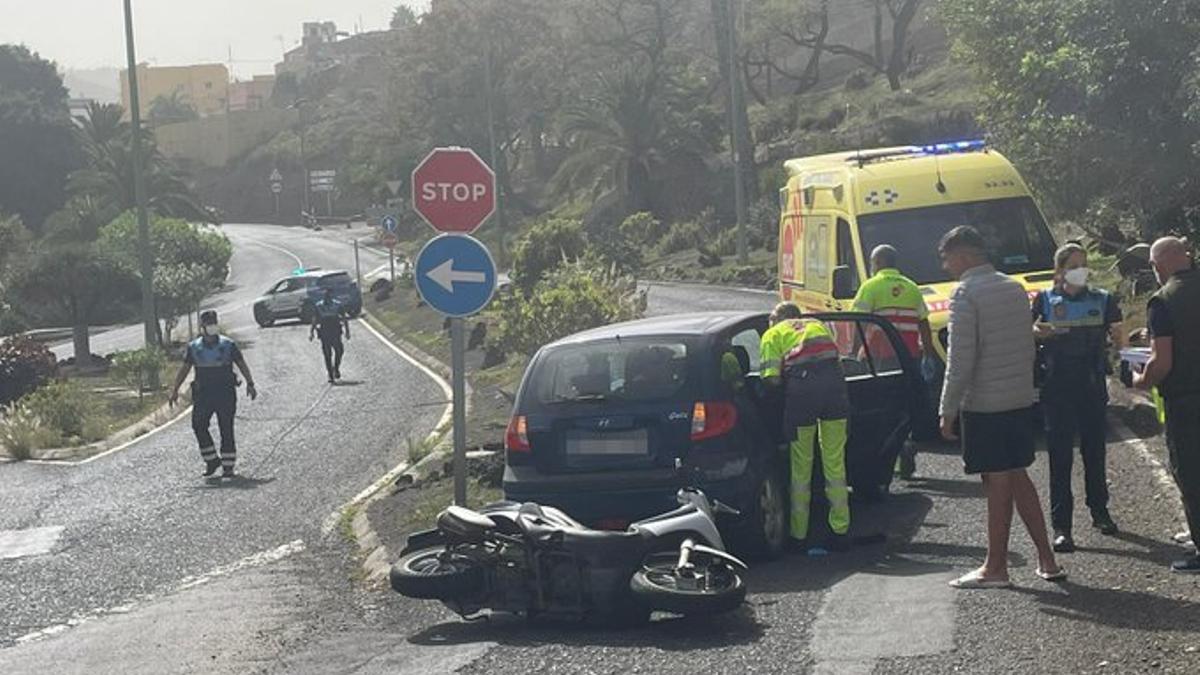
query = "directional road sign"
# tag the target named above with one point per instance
(389, 223)
(455, 275)
(454, 190)
(276, 187)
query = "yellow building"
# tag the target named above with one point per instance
(205, 86)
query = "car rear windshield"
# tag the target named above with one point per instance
(335, 280)
(1014, 229)
(612, 370)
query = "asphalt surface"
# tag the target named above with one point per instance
(296, 608)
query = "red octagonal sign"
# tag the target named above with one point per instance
(454, 190)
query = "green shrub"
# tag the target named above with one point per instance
(572, 298)
(21, 432)
(139, 369)
(681, 237)
(642, 229)
(543, 248)
(25, 365)
(64, 408)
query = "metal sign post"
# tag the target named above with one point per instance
(357, 267)
(458, 386)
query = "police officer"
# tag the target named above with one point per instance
(891, 295)
(803, 354)
(214, 391)
(329, 323)
(1073, 323)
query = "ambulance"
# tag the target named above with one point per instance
(836, 208)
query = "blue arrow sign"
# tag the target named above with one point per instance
(455, 275)
(389, 223)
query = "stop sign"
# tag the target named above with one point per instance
(454, 190)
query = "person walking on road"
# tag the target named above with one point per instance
(1073, 323)
(989, 392)
(330, 323)
(891, 295)
(214, 392)
(1174, 367)
(816, 406)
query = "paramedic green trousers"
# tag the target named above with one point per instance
(816, 411)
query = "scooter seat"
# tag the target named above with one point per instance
(464, 523)
(585, 542)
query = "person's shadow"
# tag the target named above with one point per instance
(237, 482)
(349, 383)
(1117, 608)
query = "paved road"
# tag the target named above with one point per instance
(141, 523)
(882, 609)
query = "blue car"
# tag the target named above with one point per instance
(601, 416)
(294, 297)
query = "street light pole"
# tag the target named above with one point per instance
(298, 105)
(735, 137)
(139, 188)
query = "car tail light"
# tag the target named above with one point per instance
(712, 419)
(516, 438)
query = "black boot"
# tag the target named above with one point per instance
(1063, 543)
(1104, 522)
(211, 466)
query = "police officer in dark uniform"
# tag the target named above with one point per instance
(214, 391)
(1073, 323)
(329, 323)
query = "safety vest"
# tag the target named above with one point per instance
(329, 310)
(814, 344)
(213, 364)
(1082, 318)
(893, 296)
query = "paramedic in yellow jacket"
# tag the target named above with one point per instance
(802, 353)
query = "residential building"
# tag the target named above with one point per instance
(251, 95)
(204, 86)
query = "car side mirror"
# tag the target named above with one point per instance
(843, 282)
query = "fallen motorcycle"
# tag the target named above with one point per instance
(537, 561)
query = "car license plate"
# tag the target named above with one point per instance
(614, 443)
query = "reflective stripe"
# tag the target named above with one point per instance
(835, 484)
(228, 462)
(209, 453)
(898, 312)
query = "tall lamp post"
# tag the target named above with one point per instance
(735, 136)
(139, 188)
(298, 105)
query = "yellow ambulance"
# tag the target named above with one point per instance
(836, 208)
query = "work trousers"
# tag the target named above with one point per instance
(815, 411)
(333, 349)
(1183, 445)
(224, 406)
(1074, 402)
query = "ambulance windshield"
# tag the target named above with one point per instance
(1014, 229)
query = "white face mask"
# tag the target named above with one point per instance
(1077, 276)
(212, 330)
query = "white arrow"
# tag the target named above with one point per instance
(445, 275)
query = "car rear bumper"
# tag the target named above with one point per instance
(617, 496)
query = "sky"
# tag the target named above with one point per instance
(91, 33)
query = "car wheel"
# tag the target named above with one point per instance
(263, 317)
(766, 527)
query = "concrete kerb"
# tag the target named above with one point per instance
(374, 556)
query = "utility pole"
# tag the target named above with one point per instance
(501, 171)
(735, 137)
(139, 188)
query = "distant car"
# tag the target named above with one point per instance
(601, 416)
(294, 297)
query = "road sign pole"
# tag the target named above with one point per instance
(457, 364)
(357, 268)
(392, 262)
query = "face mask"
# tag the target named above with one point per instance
(211, 330)
(1077, 276)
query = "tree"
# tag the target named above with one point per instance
(107, 178)
(403, 18)
(38, 149)
(81, 282)
(14, 243)
(1095, 100)
(170, 109)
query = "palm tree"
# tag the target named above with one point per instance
(169, 109)
(108, 176)
(622, 137)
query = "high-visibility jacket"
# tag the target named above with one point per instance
(795, 343)
(892, 295)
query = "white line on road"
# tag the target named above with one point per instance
(25, 543)
(256, 560)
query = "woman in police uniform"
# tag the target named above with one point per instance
(1073, 323)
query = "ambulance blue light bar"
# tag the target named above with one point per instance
(956, 146)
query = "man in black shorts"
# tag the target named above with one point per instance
(989, 391)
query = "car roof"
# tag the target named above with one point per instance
(699, 324)
(317, 274)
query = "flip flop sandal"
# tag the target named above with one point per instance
(973, 581)
(1057, 575)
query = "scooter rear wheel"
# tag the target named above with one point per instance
(435, 574)
(661, 586)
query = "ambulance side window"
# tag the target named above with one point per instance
(845, 250)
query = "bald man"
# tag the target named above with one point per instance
(1174, 367)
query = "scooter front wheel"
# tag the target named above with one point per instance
(713, 589)
(437, 574)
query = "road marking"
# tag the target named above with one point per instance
(293, 256)
(1161, 473)
(25, 543)
(868, 617)
(332, 519)
(256, 560)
